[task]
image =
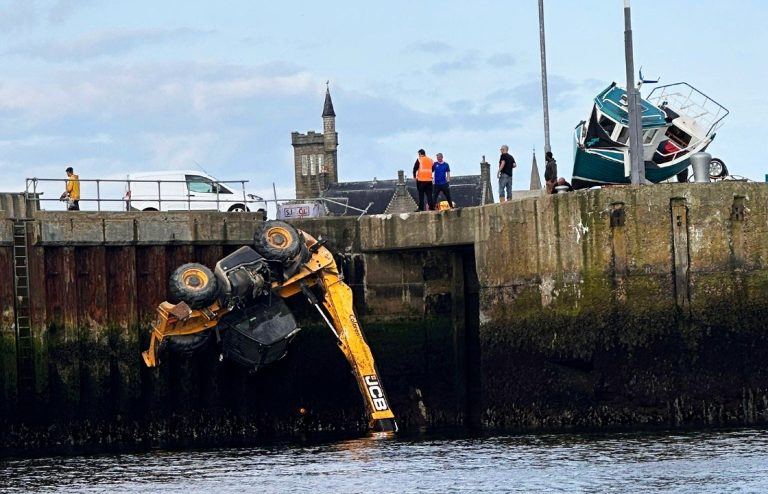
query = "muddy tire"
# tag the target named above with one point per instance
(193, 284)
(277, 241)
(188, 344)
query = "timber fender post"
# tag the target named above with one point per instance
(679, 210)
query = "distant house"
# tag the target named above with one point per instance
(316, 176)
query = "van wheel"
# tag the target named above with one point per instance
(193, 284)
(149, 209)
(238, 208)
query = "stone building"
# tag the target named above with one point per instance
(314, 155)
(316, 176)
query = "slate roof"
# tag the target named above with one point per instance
(328, 107)
(465, 191)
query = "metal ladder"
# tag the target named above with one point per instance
(24, 347)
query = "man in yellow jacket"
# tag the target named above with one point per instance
(73, 190)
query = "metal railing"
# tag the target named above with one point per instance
(690, 102)
(190, 199)
(33, 185)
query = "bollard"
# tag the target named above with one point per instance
(700, 163)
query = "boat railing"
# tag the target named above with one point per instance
(690, 102)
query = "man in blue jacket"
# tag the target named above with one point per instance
(441, 174)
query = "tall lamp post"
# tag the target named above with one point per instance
(637, 165)
(544, 95)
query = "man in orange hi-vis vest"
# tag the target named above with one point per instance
(422, 172)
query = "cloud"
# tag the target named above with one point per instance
(433, 47)
(563, 93)
(467, 61)
(501, 60)
(162, 92)
(235, 120)
(18, 15)
(104, 43)
(61, 10)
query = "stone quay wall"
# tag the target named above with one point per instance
(615, 308)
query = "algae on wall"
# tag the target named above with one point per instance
(649, 319)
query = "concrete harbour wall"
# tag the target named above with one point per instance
(620, 307)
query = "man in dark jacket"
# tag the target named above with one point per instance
(550, 172)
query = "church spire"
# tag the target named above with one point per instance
(328, 107)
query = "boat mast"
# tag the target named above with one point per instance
(544, 96)
(634, 112)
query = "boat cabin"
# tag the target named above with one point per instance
(666, 134)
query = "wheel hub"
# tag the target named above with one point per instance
(278, 237)
(194, 279)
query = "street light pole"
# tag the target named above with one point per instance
(544, 95)
(634, 111)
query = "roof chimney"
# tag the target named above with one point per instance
(486, 191)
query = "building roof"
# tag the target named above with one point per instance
(466, 191)
(328, 107)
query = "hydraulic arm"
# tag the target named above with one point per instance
(244, 281)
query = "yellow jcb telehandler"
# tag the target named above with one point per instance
(242, 300)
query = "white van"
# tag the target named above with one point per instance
(184, 190)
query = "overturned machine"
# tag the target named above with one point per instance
(241, 306)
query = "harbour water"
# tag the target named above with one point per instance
(713, 461)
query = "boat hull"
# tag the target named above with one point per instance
(600, 167)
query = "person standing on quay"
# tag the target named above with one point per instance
(550, 172)
(442, 174)
(506, 164)
(72, 191)
(422, 172)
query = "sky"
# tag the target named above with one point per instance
(115, 87)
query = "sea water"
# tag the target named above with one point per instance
(714, 461)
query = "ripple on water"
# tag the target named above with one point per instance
(699, 462)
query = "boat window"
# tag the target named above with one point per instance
(678, 136)
(607, 124)
(623, 135)
(196, 183)
(649, 135)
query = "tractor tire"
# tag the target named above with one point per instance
(193, 284)
(278, 241)
(188, 344)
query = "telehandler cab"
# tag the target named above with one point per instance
(241, 303)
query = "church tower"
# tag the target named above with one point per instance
(330, 137)
(315, 155)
